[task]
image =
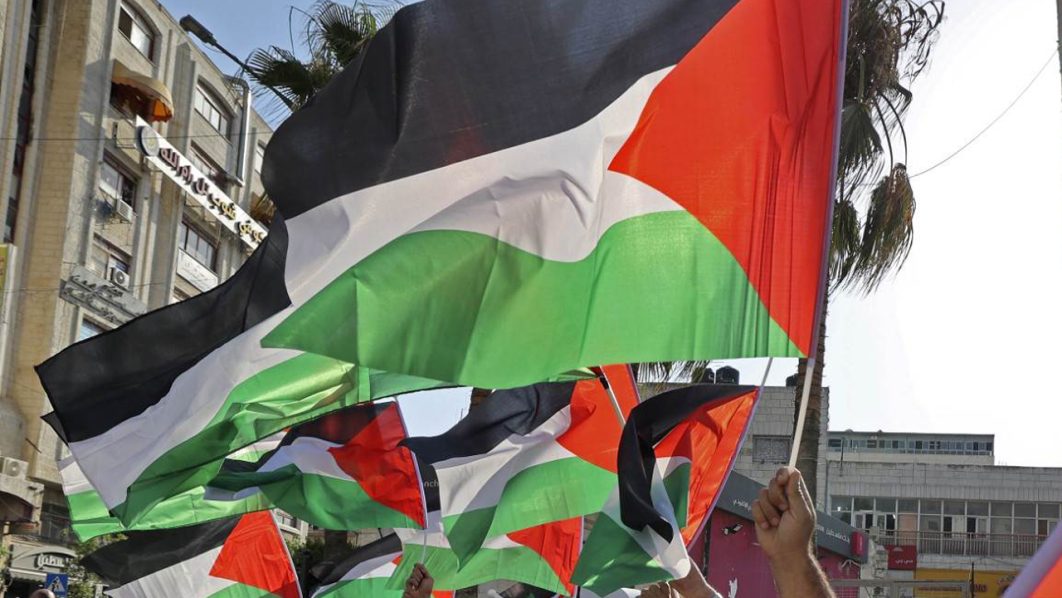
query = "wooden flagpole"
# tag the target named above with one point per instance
(798, 433)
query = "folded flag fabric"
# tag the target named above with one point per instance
(543, 556)
(90, 518)
(524, 457)
(366, 572)
(240, 557)
(343, 471)
(697, 455)
(638, 537)
(1042, 576)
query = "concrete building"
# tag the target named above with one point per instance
(128, 180)
(770, 436)
(941, 506)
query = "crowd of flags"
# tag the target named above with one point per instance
(500, 194)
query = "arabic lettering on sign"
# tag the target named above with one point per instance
(163, 155)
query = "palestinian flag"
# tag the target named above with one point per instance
(89, 517)
(525, 457)
(607, 181)
(242, 557)
(365, 573)
(343, 471)
(1042, 576)
(639, 537)
(696, 457)
(543, 556)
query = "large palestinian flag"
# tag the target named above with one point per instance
(343, 471)
(494, 192)
(543, 556)
(243, 557)
(641, 534)
(525, 457)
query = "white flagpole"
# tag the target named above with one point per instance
(612, 398)
(798, 433)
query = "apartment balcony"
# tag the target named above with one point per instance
(965, 544)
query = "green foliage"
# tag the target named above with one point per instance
(82, 581)
(335, 35)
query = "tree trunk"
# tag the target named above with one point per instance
(808, 454)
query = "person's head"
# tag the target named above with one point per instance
(42, 593)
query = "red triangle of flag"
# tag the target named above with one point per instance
(254, 554)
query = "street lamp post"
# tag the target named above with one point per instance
(191, 25)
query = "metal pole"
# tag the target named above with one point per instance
(612, 398)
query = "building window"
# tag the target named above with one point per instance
(105, 257)
(197, 245)
(135, 28)
(88, 329)
(208, 168)
(209, 107)
(770, 449)
(24, 121)
(834, 443)
(259, 157)
(117, 185)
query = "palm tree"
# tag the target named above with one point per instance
(335, 35)
(889, 45)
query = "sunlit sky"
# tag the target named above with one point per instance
(963, 338)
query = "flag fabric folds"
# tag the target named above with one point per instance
(343, 471)
(229, 558)
(525, 457)
(641, 533)
(366, 572)
(1041, 577)
(609, 181)
(542, 556)
(636, 181)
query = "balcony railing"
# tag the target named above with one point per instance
(966, 544)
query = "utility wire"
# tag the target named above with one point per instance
(995, 120)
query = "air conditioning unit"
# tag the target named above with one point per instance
(124, 210)
(119, 278)
(14, 468)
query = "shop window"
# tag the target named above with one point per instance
(136, 29)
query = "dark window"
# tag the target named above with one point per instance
(117, 185)
(24, 121)
(136, 29)
(198, 245)
(835, 443)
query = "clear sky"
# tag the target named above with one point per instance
(963, 339)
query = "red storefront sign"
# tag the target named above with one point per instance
(902, 557)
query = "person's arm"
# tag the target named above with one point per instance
(785, 527)
(419, 584)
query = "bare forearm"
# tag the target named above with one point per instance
(800, 576)
(694, 586)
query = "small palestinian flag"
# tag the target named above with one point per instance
(696, 456)
(543, 556)
(365, 573)
(242, 557)
(343, 471)
(525, 457)
(638, 538)
(603, 181)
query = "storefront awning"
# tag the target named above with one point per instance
(150, 98)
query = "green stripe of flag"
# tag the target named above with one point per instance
(492, 292)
